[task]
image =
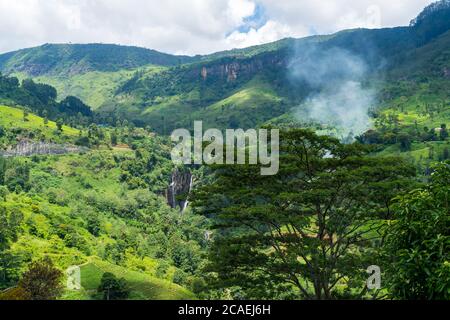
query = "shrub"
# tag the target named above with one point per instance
(42, 281)
(113, 288)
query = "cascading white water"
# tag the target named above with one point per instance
(190, 188)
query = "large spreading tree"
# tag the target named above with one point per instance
(308, 232)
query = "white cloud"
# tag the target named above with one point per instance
(327, 16)
(239, 9)
(269, 32)
(188, 26)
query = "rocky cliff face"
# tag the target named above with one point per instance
(27, 148)
(231, 69)
(179, 188)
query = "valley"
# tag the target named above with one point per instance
(87, 179)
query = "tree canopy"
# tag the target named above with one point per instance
(418, 243)
(308, 232)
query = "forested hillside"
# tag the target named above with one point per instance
(70, 59)
(97, 209)
(87, 181)
(167, 92)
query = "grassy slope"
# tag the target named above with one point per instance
(249, 102)
(74, 180)
(253, 104)
(142, 286)
(419, 97)
(13, 117)
(421, 81)
(421, 152)
(95, 88)
(71, 174)
(411, 114)
(248, 106)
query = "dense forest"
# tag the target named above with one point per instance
(87, 183)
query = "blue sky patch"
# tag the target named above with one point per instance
(255, 21)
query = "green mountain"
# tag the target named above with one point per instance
(166, 92)
(90, 72)
(95, 188)
(93, 198)
(221, 91)
(71, 59)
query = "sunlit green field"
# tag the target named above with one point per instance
(142, 286)
(14, 117)
(95, 88)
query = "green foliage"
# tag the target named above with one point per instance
(150, 167)
(76, 207)
(179, 277)
(308, 232)
(2, 174)
(10, 222)
(41, 98)
(432, 21)
(113, 288)
(80, 58)
(42, 281)
(59, 125)
(74, 106)
(405, 142)
(17, 176)
(43, 92)
(418, 243)
(3, 192)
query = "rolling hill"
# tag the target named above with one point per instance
(70, 59)
(14, 118)
(84, 208)
(166, 92)
(246, 87)
(141, 285)
(105, 207)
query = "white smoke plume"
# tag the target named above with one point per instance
(339, 99)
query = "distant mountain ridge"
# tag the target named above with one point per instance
(70, 59)
(222, 88)
(240, 87)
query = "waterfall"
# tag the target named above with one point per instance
(190, 188)
(181, 184)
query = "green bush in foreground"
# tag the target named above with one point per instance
(419, 241)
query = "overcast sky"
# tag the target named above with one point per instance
(190, 26)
